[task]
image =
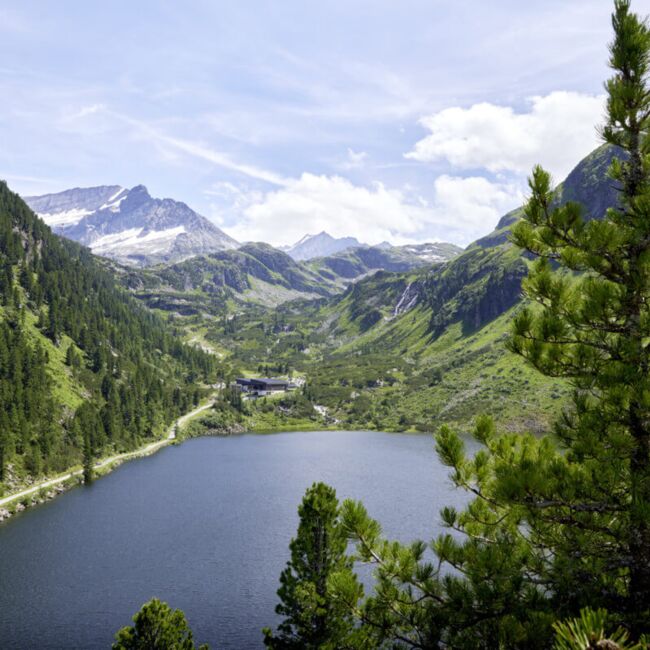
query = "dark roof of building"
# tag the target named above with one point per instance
(266, 381)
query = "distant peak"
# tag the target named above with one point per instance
(320, 245)
(385, 245)
(303, 239)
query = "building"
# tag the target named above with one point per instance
(262, 386)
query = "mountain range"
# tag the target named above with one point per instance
(134, 229)
(128, 225)
(413, 348)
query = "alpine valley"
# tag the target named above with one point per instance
(359, 434)
(163, 309)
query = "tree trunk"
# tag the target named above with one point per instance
(639, 592)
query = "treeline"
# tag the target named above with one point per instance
(133, 375)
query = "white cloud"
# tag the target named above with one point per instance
(314, 203)
(84, 111)
(463, 209)
(227, 199)
(468, 208)
(354, 159)
(210, 155)
(557, 131)
(170, 146)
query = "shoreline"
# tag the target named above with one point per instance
(50, 488)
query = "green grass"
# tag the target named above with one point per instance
(66, 391)
(392, 372)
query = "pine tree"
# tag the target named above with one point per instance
(313, 619)
(4, 435)
(157, 627)
(593, 329)
(70, 355)
(87, 458)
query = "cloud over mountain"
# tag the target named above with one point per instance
(556, 130)
(462, 207)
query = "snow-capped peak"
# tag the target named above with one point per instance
(320, 245)
(130, 225)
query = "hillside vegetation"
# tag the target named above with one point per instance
(259, 274)
(84, 368)
(414, 349)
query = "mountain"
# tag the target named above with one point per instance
(258, 274)
(353, 263)
(321, 245)
(254, 274)
(129, 225)
(587, 183)
(450, 324)
(416, 348)
(324, 245)
(85, 369)
(432, 252)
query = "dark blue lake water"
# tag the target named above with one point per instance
(204, 526)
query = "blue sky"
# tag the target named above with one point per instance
(407, 121)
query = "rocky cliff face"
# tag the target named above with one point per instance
(475, 288)
(129, 225)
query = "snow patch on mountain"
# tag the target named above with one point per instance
(129, 225)
(433, 252)
(113, 204)
(65, 217)
(137, 241)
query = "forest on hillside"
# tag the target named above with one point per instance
(84, 368)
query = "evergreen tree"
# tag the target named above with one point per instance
(157, 627)
(3, 452)
(591, 630)
(70, 355)
(593, 329)
(87, 459)
(559, 523)
(313, 619)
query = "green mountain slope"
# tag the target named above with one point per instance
(84, 368)
(587, 184)
(415, 349)
(253, 274)
(258, 274)
(410, 346)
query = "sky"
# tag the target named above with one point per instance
(398, 120)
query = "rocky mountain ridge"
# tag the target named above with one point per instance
(129, 225)
(320, 245)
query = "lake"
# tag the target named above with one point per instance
(204, 526)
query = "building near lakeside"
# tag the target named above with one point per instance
(263, 385)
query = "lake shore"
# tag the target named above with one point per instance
(50, 488)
